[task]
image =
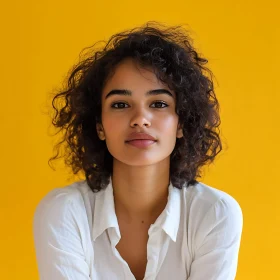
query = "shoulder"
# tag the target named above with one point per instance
(207, 207)
(212, 216)
(61, 196)
(62, 231)
(70, 202)
(205, 197)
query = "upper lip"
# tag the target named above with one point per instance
(140, 136)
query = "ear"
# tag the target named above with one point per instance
(179, 131)
(100, 131)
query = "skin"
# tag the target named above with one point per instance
(140, 175)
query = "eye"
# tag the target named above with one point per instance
(119, 107)
(122, 106)
(161, 103)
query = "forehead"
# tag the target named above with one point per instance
(128, 74)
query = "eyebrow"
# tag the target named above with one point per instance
(129, 92)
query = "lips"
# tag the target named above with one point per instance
(141, 143)
(140, 136)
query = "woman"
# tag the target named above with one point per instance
(140, 120)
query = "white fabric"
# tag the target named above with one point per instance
(196, 237)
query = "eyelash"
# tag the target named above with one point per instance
(112, 106)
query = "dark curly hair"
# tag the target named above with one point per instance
(169, 51)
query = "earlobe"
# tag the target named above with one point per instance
(180, 132)
(100, 131)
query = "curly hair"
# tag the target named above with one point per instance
(174, 60)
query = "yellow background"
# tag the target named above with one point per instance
(40, 42)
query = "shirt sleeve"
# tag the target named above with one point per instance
(58, 238)
(218, 242)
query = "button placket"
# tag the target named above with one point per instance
(153, 250)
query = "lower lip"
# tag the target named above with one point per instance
(141, 143)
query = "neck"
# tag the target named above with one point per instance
(140, 192)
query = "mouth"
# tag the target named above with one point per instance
(141, 143)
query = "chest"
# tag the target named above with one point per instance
(133, 248)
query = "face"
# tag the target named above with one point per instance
(138, 112)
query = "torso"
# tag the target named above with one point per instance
(134, 238)
(133, 247)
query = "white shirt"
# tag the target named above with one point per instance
(196, 237)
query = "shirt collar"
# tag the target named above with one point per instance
(105, 215)
(104, 211)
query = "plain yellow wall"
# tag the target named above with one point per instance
(40, 42)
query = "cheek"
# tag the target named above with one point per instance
(169, 124)
(113, 125)
(110, 126)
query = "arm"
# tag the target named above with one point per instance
(218, 242)
(58, 243)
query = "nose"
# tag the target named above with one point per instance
(140, 119)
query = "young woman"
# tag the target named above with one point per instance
(140, 118)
